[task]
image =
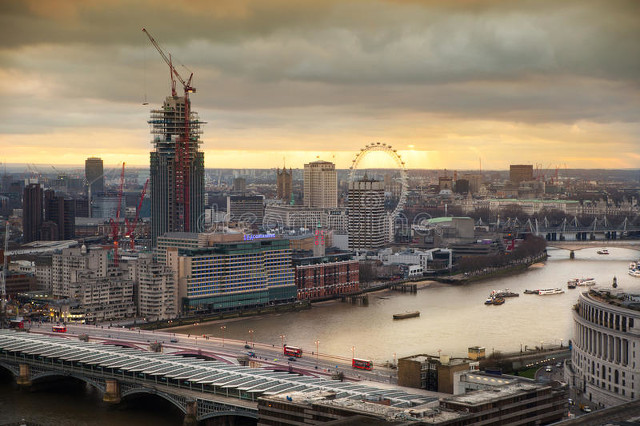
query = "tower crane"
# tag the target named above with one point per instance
(115, 225)
(131, 227)
(182, 154)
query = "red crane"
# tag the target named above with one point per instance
(182, 154)
(131, 227)
(115, 225)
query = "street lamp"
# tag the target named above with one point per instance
(353, 352)
(317, 350)
(223, 328)
(251, 336)
(394, 359)
(541, 348)
(282, 336)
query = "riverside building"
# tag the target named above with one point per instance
(605, 363)
(233, 275)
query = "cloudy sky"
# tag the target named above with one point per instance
(446, 83)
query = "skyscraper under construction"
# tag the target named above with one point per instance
(177, 168)
(177, 165)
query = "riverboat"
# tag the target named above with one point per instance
(406, 315)
(634, 273)
(498, 300)
(505, 293)
(531, 291)
(489, 301)
(550, 291)
(603, 251)
(583, 282)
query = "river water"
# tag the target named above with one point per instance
(452, 318)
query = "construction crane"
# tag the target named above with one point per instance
(131, 227)
(115, 225)
(182, 154)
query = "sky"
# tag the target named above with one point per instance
(449, 84)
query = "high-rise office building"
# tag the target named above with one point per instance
(32, 212)
(284, 180)
(240, 184)
(177, 169)
(94, 175)
(320, 185)
(367, 227)
(520, 173)
(246, 208)
(59, 217)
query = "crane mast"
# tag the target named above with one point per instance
(115, 225)
(3, 283)
(182, 149)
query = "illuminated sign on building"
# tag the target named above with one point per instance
(251, 237)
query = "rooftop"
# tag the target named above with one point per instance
(616, 297)
(427, 412)
(483, 396)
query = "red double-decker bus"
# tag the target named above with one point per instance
(59, 329)
(292, 351)
(363, 364)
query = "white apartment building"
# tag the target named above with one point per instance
(320, 185)
(157, 295)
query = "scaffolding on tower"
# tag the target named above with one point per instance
(183, 124)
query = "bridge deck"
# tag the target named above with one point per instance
(215, 377)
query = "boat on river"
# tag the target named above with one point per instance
(603, 251)
(634, 273)
(531, 291)
(406, 315)
(549, 291)
(504, 293)
(582, 282)
(498, 300)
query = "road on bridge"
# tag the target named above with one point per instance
(269, 356)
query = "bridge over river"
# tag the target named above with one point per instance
(573, 245)
(201, 389)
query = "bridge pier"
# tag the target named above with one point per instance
(112, 394)
(572, 255)
(191, 417)
(24, 379)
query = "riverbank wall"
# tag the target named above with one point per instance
(494, 272)
(513, 362)
(218, 316)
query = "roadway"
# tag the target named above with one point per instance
(228, 350)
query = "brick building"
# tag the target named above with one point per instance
(326, 276)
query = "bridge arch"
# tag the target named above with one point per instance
(124, 344)
(202, 355)
(178, 402)
(13, 369)
(228, 413)
(96, 384)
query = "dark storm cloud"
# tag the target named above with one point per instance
(509, 61)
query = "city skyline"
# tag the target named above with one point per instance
(446, 84)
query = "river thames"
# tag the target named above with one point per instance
(452, 318)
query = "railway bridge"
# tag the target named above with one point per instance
(201, 389)
(574, 246)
